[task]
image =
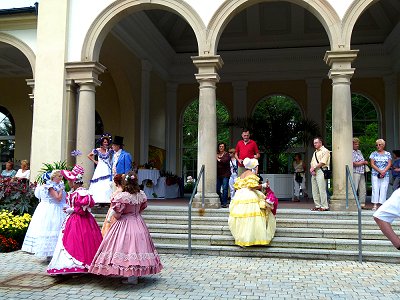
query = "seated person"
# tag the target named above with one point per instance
(24, 172)
(9, 171)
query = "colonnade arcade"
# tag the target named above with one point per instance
(83, 81)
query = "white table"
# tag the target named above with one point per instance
(148, 174)
(162, 190)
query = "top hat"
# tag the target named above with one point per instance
(250, 163)
(118, 140)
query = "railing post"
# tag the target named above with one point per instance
(201, 174)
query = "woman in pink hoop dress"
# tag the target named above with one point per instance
(80, 235)
(127, 249)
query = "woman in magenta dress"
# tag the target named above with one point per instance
(127, 250)
(80, 236)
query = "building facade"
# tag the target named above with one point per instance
(137, 65)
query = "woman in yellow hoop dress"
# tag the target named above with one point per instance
(250, 218)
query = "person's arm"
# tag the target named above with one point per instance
(389, 165)
(56, 195)
(257, 152)
(91, 157)
(374, 166)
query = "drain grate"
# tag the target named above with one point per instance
(32, 281)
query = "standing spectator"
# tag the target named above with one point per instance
(320, 160)
(223, 174)
(233, 163)
(299, 179)
(359, 164)
(396, 169)
(9, 171)
(381, 162)
(24, 172)
(245, 148)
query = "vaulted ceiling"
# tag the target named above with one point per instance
(271, 25)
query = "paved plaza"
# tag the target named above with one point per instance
(203, 277)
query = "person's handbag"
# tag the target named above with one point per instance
(367, 169)
(327, 172)
(298, 178)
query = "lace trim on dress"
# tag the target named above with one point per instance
(128, 256)
(125, 197)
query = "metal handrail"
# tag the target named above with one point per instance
(201, 173)
(350, 178)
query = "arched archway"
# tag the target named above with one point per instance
(366, 119)
(189, 134)
(21, 46)
(277, 120)
(117, 10)
(322, 10)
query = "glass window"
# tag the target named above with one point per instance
(7, 136)
(190, 135)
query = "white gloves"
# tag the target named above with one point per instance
(112, 212)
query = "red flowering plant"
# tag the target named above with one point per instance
(17, 195)
(12, 230)
(8, 244)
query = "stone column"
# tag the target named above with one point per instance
(70, 111)
(145, 111)
(342, 127)
(85, 74)
(239, 106)
(391, 113)
(207, 130)
(170, 128)
(48, 126)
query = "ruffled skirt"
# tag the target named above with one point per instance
(249, 224)
(44, 229)
(127, 250)
(76, 246)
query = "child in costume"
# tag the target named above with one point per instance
(110, 219)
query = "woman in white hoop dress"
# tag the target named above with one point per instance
(101, 183)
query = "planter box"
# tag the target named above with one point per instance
(281, 184)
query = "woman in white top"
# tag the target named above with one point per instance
(299, 178)
(24, 172)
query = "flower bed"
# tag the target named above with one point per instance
(12, 230)
(17, 195)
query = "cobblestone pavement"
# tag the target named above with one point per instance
(200, 277)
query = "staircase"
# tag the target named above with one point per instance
(300, 234)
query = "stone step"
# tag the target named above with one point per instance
(280, 242)
(281, 232)
(276, 252)
(224, 212)
(281, 222)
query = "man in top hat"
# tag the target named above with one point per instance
(122, 160)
